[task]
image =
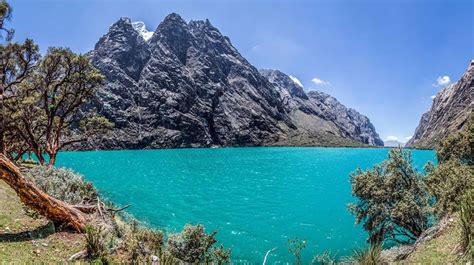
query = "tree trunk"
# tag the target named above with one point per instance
(55, 210)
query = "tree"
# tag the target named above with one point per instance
(47, 107)
(459, 145)
(17, 62)
(392, 202)
(453, 178)
(5, 15)
(55, 210)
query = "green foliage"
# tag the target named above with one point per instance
(63, 184)
(141, 243)
(392, 201)
(369, 256)
(5, 14)
(295, 246)
(45, 104)
(193, 245)
(95, 242)
(453, 178)
(459, 146)
(448, 183)
(467, 224)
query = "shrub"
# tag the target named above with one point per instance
(142, 243)
(295, 246)
(459, 146)
(63, 184)
(193, 245)
(95, 242)
(467, 224)
(369, 256)
(448, 184)
(392, 200)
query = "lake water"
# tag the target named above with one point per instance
(256, 198)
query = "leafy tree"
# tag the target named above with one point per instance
(5, 15)
(17, 62)
(47, 107)
(392, 201)
(459, 145)
(453, 178)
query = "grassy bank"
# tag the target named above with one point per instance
(25, 238)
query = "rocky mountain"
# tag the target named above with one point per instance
(186, 85)
(450, 112)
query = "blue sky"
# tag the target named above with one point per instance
(383, 58)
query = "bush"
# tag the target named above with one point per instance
(458, 146)
(369, 256)
(193, 245)
(392, 201)
(62, 184)
(448, 184)
(295, 246)
(95, 242)
(142, 243)
(467, 224)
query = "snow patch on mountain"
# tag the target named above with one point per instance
(140, 27)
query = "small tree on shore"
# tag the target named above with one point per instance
(17, 62)
(46, 107)
(453, 178)
(392, 202)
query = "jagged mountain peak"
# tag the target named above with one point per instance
(188, 86)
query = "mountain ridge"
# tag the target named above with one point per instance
(449, 112)
(188, 86)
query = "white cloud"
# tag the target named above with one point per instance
(319, 82)
(296, 80)
(433, 96)
(442, 80)
(392, 138)
(408, 138)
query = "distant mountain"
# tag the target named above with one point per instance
(185, 85)
(449, 113)
(392, 143)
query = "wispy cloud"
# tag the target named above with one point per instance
(433, 96)
(319, 82)
(408, 138)
(442, 81)
(391, 138)
(296, 80)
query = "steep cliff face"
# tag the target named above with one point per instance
(318, 113)
(449, 113)
(185, 85)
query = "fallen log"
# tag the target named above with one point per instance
(59, 212)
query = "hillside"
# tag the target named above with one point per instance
(449, 113)
(186, 85)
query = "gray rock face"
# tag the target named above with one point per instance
(187, 86)
(449, 113)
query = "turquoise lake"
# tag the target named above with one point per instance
(256, 198)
